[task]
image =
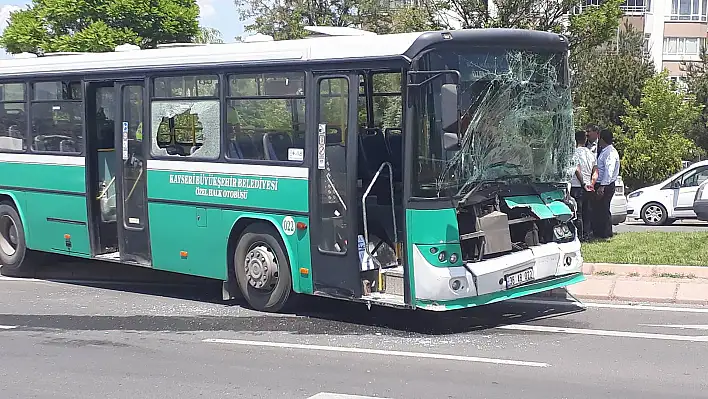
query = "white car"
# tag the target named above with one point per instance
(669, 200)
(618, 206)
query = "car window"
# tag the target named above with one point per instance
(695, 177)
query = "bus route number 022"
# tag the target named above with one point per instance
(288, 225)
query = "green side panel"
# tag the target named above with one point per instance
(530, 289)
(550, 196)
(410, 216)
(206, 239)
(48, 217)
(175, 228)
(231, 190)
(432, 226)
(540, 208)
(559, 208)
(44, 177)
(302, 283)
(431, 254)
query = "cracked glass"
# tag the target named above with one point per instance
(516, 124)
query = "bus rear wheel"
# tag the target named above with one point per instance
(262, 269)
(14, 256)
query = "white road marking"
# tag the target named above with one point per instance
(605, 333)
(680, 326)
(328, 395)
(676, 309)
(5, 278)
(7, 327)
(420, 355)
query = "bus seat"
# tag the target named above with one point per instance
(277, 144)
(299, 139)
(375, 148)
(235, 150)
(67, 146)
(247, 147)
(394, 139)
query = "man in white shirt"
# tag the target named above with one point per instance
(582, 184)
(608, 166)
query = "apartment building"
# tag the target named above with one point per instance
(674, 30)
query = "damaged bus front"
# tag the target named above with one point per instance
(490, 216)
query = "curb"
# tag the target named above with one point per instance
(680, 272)
(648, 290)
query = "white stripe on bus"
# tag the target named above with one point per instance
(229, 168)
(43, 159)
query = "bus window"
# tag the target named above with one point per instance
(57, 117)
(388, 103)
(186, 117)
(271, 127)
(13, 117)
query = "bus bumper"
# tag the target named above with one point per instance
(541, 268)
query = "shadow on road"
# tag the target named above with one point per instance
(317, 315)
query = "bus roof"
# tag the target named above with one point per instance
(315, 49)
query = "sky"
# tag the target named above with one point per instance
(219, 14)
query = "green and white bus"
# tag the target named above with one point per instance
(421, 170)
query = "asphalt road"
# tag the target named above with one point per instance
(678, 226)
(88, 340)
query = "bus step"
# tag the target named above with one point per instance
(112, 256)
(393, 280)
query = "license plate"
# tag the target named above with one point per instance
(518, 278)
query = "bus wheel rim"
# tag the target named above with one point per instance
(261, 267)
(8, 235)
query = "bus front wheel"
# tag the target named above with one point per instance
(262, 269)
(13, 250)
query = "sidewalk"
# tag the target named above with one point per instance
(640, 283)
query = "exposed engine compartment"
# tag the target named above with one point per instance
(497, 219)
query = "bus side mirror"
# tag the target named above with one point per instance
(449, 105)
(451, 142)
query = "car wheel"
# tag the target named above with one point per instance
(654, 214)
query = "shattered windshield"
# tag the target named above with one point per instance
(516, 122)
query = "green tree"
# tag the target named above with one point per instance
(99, 25)
(586, 30)
(208, 35)
(656, 143)
(608, 78)
(697, 82)
(287, 19)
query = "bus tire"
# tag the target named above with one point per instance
(262, 269)
(15, 258)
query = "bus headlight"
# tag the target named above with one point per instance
(562, 232)
(458, 284)
(442, 256)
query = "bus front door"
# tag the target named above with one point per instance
(131, 179)
(335, 266)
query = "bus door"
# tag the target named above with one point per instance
(132, 148)
(333, 204)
